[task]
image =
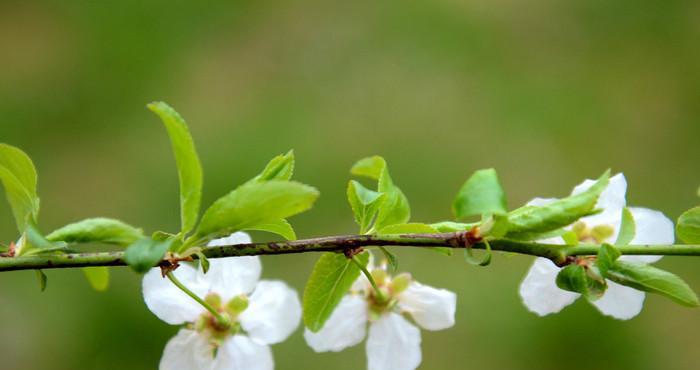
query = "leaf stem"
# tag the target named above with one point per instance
(381, 297)
(556, 253)
(221, 319)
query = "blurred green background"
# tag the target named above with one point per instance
(547, 92)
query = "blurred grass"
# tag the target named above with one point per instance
(546, 92)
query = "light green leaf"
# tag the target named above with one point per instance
(18, 176)
(394, 209)
(254, 204)
(145, 254)
(97, 230)
(628, 228)
(188, 166)
(41, 276)
(365, 204)
(555, 215)
(482, 194)
(416, 228)
(391, 258)
(654, 280)
(688, 226)
(450, 227)
(279, 168)
(36, 243)
(330, 279)
(280, 227)
(409, 228)
(483, 261)
(98, 277)
(203, 261)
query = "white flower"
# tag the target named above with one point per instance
(261, 313)
(393, 342)
(539, 290)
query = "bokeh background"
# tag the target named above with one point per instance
(548, 92)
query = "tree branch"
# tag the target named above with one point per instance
(556, 253)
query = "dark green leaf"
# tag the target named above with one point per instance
(628, 228)
(688, 226)
(188, 167)
(482, 194)
(576, 278)
(330, 280)
(559, 213)
(365, 204)
(607, 257)
(254, 204)
(98, 277)
(654, 280)
(97, 230)
(394, 209)
(18, 176)
(145, 254)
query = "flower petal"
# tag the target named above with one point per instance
(611, 202)
(345, 328)
(241, 353)
(168, 302)
(393, 344)
(620, 302)
(273, 314)
(235, 238)
(232, 276)
(187, 351)
(653, 227)
(539, 289)
(432, 309)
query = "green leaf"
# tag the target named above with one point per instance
(279, 168)
(484, 261)
(482, 194)
(255, 204)
(98, 277)
(394, 209)
(41, 276)
(188, 166)
(559, 213)
(37, 243)
(495, 226)
(654, 280)
(391, 258)
(409, 228)
(365, 204)
(203, 261)
(628, 228)
(280, 227)
(330, 279)
(145, 254)
(607, 257)
(576, 278)
(97, 230)
(450, 227)
(18, 176)
(416, 228)
(688, 226)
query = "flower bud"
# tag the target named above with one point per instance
(602, 232)
(213, 299)
(380, 276)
